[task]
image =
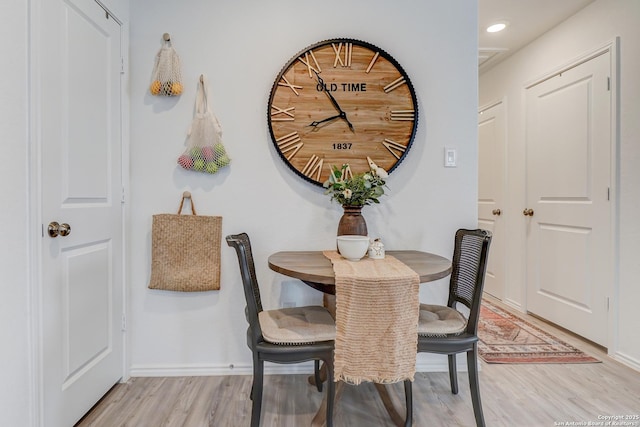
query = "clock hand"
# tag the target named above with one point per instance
(344, 116)
(316, 123)
(324, 88)
(333, 101)
(342, 113)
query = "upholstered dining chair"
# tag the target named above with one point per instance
(445, 329)
(287, 335)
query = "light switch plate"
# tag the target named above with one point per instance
(450, 157)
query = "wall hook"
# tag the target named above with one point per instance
(166, 37)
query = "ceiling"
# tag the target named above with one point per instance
(527, 20)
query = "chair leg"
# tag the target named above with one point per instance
(453, 373)
(331, 392)
(316, 372)
(408, 393)
(472, 367)
(256, 407)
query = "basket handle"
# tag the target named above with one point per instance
(187, 195)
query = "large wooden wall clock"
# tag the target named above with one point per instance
(338, 102)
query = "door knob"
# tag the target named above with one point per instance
(527, 212)
(56, 229)
(496, 212)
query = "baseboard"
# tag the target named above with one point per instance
(514, 304)
(626, 360)
(247, 369)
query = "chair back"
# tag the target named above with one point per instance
(242, 245)
(469, 266)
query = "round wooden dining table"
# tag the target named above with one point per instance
(316, 270)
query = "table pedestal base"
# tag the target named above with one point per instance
(320, 418)
(329, 302)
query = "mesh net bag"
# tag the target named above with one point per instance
(166, 78)
(205, 151)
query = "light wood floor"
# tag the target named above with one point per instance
(512, 395)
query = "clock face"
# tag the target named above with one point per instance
(338, 102)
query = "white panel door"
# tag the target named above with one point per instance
(568, 179)
(491, 182)
(79, 65)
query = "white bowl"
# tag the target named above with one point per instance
(353, 248)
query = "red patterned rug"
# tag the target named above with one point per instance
(505, 338)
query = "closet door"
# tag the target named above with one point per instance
(491, 184)
(79, 72)
(568, 209)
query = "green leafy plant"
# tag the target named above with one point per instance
(356, 190)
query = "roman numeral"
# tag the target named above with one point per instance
(290, 143)
(403, 115)
(286, 83)
(313, 166)
(347, 174)
(394, 148)
(395, 84)
(373, 61)
(288, 115)
(348, 48)
(306, 61)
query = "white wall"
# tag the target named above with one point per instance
(592, 27)
(241, 47)
(14, 247)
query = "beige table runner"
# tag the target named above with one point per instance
(377, 310)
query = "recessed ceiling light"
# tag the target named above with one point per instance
(494, 28)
